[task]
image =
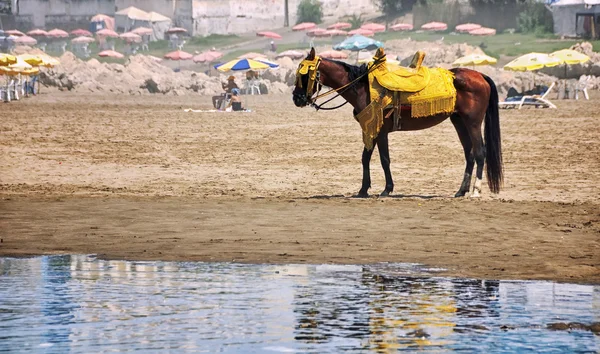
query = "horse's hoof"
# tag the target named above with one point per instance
(459, 194)
(362, 194)
(476, 194)
(385, 193)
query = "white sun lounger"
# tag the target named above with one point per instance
(537, 101)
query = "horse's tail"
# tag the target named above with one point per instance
(493, 145)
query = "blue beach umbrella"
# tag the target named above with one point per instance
(357, 43)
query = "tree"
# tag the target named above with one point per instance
(310, 11)
(394, 8)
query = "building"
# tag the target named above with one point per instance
(576, 18)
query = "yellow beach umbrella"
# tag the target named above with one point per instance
(475, 59)
(241, 65)
(31, 59)
(531, 62)
(569, 56)
(7, 59)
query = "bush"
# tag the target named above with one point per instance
(535, 18)
(309, 11)
(356, 21)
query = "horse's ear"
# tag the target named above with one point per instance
(311, 54)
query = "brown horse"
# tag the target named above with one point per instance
(477, 98)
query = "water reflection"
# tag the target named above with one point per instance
(81, 304)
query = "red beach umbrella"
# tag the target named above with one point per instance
(373, 27)
(143, 31)
(15, 33)
(340, 26)
(268, 34)
(83, 39)
(58, 33)
(466, 27)
(304, 26)
(111, 54)
(176, 30)
(362, 32)
(336, 32)
(179, 55)
(435, 26)
(37, 32)
(107, 33)
(483, 31)
(81, 32)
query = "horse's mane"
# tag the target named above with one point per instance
(352, 70)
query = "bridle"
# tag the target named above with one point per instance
(311, 67)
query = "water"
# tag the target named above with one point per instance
(63, 304)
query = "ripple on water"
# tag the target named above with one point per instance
(82, 304)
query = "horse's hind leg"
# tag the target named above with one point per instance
(474, 128)
(465, 140)
(384, 156)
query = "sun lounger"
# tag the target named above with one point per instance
(537, 101)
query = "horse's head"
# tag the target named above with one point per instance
(307, 80)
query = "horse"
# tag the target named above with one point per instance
(476, 100)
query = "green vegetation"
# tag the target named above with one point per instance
(534, 17)
(355, 21)
(501, 44)
(310, 11)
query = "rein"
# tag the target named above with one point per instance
(342, 89)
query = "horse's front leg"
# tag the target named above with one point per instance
(384, 156)
(366, 181)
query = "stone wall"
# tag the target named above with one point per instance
(238, 17)
(42, 10)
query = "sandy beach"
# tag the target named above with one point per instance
(136, 177)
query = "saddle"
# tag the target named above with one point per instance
(423, 90)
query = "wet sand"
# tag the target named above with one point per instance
(138, 178)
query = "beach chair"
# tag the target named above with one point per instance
(582, 86)
(537, 101)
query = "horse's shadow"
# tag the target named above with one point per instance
(373, 196)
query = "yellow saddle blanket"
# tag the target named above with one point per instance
(428, 91)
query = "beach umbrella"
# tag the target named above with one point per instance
(336, 32)
(207, 57)
(14, 33)
(25, 40)
(130, 37)
(83, 39)
(569, 56)
(107, 33)
(357, 43)
(241, 64)
(271, 64)
(317, 32)
(362, 32)
(252, 55)
(111, 54)
(178, 55)
(467, 27)
(340, 26)
(7, 59)
(531, 62)
(333, 54)
(268, 34)
(57, 33)
(37, 32)
(373, 27)
(143, 31)
(292, 54)
(304, 26)
(31, 59)
(20, 65)
(402, 27)
(81, 32)
(435, 26)
(47, 60)
(475, 59)
(483, 31)
(176, 30)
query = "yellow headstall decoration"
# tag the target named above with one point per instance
(310, 67)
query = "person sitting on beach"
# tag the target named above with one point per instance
(236, 101)
(228, 87)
